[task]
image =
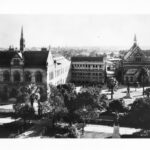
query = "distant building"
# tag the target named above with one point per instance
(133, 61)
(21, 67)
(86, 70)
(116, 62)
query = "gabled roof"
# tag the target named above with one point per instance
(131, 71)
(31, 58)
(35, 58)
(135, 48)
(6, 56)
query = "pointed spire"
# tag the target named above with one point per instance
(22, 32)
(22, 41)
(135, 40)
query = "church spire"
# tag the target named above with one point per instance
(22, 41)
(135, 40)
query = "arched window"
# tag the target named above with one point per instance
(38, 77)
(27, 76)
(16, 76)
(6, 76)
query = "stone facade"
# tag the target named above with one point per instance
(21, 67)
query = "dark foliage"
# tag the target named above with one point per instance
(24, 111)
(139, 113)
(117, 106)
(112, 84)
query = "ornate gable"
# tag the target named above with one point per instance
(17, 59)
(134, 52)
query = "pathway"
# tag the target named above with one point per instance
(101, 131)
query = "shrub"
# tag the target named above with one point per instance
(24, 111)
(139, 113)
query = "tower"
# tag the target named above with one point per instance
(22, 41)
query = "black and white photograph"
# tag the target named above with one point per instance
(74, 76)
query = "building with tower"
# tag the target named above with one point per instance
(134, 60)
(19, 67)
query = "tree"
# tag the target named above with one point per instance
(139, 112)
(112, 84)
(24, 111)
(92, 96)
(117, 106)
(112, 54)
(68, 92)
(147, 92)
(56, 102)
(29, 94)
(144, 73)
(118, 74)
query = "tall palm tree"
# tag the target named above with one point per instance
(112, 84)
(144, 73)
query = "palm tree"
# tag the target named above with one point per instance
(144, 73)
(31, 92)
(112, 84)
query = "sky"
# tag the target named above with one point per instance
(75, 30)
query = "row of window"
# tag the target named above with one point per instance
(84, 78)
(86, 66)
(17, 76)
(87, 74)
(138, 59)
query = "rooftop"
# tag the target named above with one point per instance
(80, 58)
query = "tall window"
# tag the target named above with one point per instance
(6, 76)
(138, 59)
(16, 76)
(38, 77)
(27, 76)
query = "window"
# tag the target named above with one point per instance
(27, 76)
(108, 68)
(6, 76)
(38, 77)
(131, 79)
(16, 62)
(138, 59)
(127, 79)
(16, 76)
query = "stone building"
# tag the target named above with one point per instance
(86, 70)
(133, 61)
(21, 67)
